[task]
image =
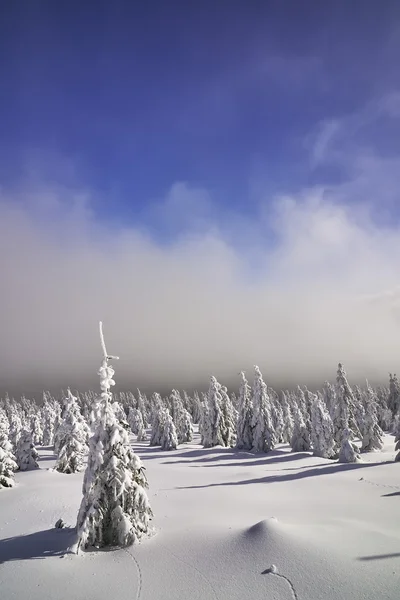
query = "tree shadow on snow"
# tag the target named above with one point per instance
(379, 556)
(148, 452)
(248, 460)
(312, 472)
(37, 545)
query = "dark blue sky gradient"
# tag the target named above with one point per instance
(126, 98)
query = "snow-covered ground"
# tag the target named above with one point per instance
(222, 519)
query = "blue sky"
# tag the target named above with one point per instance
(127, 99)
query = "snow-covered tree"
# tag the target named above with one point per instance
(287, 416)
(156, 419)
(49, 416)
(393, 401)
(300, 441)
(277, 416)
(196, 407)
(204, 419)
(181, 418)
(229, 417)
(212, 428)
(135, 420)
(15, 420)
(142, 407)
(348, 451)
(169, 438)
(359, 408)
(343, 416)
(397, 442)
(120, 413)
(115, 510)
(36, 429)
(244, 428)
(263, 433)
(7, 458)
(71, 408)
(26, 453)
(72, 451)
(372, 434)
(321, 429)
(329, 397)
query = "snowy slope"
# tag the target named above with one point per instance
(222, 518)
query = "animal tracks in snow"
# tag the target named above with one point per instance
(272, 570)
(140, 578)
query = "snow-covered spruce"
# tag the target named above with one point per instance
(397, 441)
(343, 415)
(73, 449)
(169, 437)
(263, 434)
(322, 440)
(15, 421)
(372, 434)
(329, 397)
(229, 416)
(196, 407)
(300, 441)
(7, 460)
(244, 429)
(36, 429)
(348, 451)
(277, 415)
(204, 417)
(156, 419)
(26, 453)
(393, 400)
(71, 408)
(135, 420)
(212, 427)
(181, 418)
(288, 422)
(115, 510)
(49, 416)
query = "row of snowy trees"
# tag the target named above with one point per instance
(255, 420)
(327, 422)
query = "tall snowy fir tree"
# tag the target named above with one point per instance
(263, 433)
(300, 441)
(322, 440)
(393, 401)
(115, 510)
(8, 463)
(229, 417)
(244, 429)
(26, 453)
(156, 419)
(169, 437)
(213, 426)
(348, 450)
(181, 418)
(372, 434)
(287, 416)
(343, 416)
(72, 441)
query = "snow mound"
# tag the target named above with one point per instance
(263, 529)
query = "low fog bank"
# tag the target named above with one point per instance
(325, 291)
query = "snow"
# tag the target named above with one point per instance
(228, 524)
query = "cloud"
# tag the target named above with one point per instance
(309, 280)
(176, 313)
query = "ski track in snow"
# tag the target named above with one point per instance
(139, 590)
(194, 568)
(272, 571)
